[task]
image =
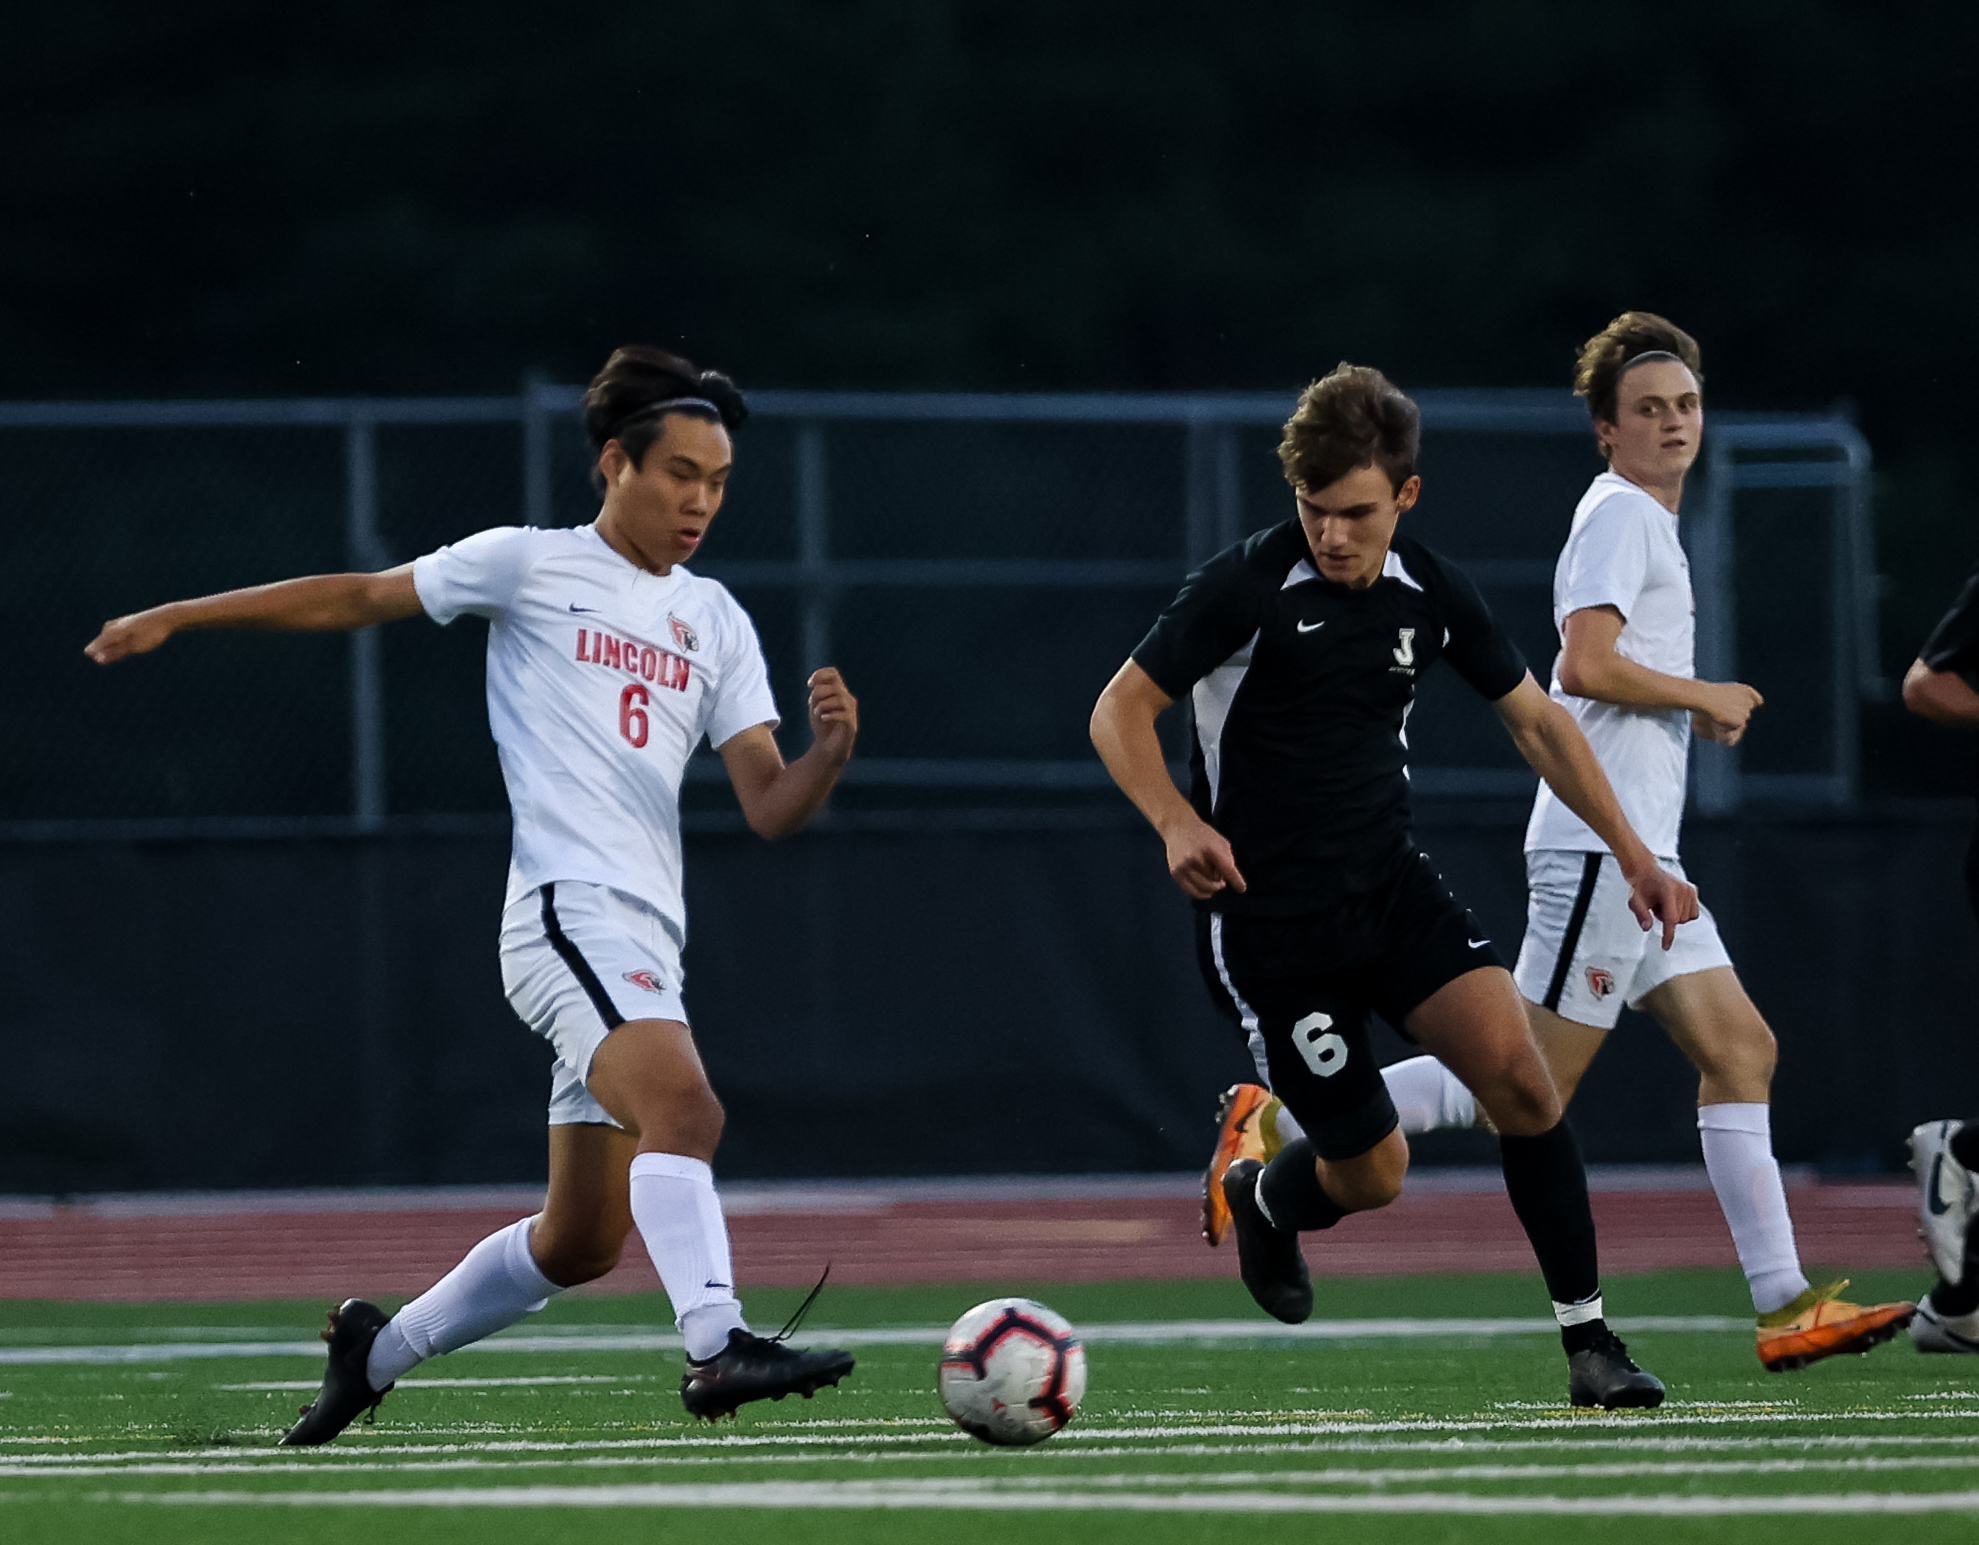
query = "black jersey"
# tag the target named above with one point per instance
(1954, 643)
(1302, 690)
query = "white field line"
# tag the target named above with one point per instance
(1562, 1422)
(411, 1383)
(1345, 1475)
(1316, 1438)
(974, 1497)
(1148, 1333)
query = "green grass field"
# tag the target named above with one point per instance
(1410, 1432)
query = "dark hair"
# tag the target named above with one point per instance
(1598, 373)
(1352, 417)
(628, 400)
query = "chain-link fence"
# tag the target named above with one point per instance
(977, 565)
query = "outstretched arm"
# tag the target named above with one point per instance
(1199, 857)
(777, 799)
(1943, 697)
(1548, 738)
(321, 603)
(1590, 666)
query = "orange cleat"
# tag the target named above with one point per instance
(1239, 1135)
(1820, 1323)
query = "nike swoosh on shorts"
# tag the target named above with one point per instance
(1311, 627)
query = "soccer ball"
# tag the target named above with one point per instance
(1012, 1372)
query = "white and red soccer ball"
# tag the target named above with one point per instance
(1012, 1372)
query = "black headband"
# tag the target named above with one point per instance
(1648, 357)
(670, 405)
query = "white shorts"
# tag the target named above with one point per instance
(578, 961)
(1585, 955)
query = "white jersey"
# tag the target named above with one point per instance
(1622, 551)
(602, 678)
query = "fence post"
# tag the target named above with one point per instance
(1845, 652)
(535, 452)
(813, 531)
(1229, 489)
(1201, 518)
(1875, 686)
(365, 552)
(1715, 789)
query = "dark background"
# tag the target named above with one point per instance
(1001, 1000)
(224, 198)
(218, 199)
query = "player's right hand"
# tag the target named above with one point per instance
(1727, 707)
(139, 633)
(1200, 860)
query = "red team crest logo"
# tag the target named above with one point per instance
(683, 635)
(647, 980)
(1600, 981)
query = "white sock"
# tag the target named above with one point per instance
(680, 1218)
(1738, 1155)
(496, 1284)
(1578, 1314)
(1428, 1095)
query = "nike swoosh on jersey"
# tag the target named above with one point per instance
(1311, 627)
(1939, 1206)
(576, 608)
(1476, 944)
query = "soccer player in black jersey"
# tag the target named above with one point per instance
(1942, 685)
(1300, 649)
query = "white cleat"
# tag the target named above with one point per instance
(1937, 1332)
(1947, 1197)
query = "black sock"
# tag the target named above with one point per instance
(1965, 1145)
(1292, 1194)
(1547, 1183)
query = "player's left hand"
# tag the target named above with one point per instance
(834, 713)
(1707, 728)
(1657, 896)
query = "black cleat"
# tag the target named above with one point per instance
(756, 1368)
(346, 1393)
(1268, 1257)
(1603, 1375)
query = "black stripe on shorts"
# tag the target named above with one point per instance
(1590, 872)
(581, 968)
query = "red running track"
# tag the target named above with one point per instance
(210, 1249)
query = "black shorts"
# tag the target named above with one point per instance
(1301, 989)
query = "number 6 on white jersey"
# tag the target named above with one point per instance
(1325, 1052)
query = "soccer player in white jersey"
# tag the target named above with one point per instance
(608, 662)
(1622, 604)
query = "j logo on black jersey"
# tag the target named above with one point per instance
(1405, 650)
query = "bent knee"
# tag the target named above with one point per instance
(1745, 1058)
(1522, 1098)
(705, 1116)
(1369, 1192)
(569, 1262)
(683, 1120)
